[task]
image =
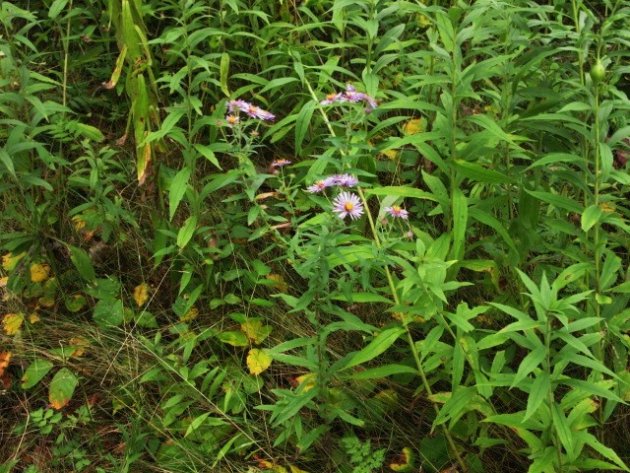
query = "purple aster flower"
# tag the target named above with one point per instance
(238, 105)
(257, 112)
(318, 187)
(395, 211)
(279, 163)
(346, 204)
(333, 98)
(345, 180)
(250, 109)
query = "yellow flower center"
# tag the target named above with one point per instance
(231, 119)
(331, 96)
(348, 206)
(396, 209)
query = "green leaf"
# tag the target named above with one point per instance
(401, 191)
(530, 363)
(383, 372)
(591, 216)
(207, 153)
(109, 313)
(478, 173)
(187, 231)
(302, 122)
(177, 190)
(196, 423)
(540, 389)
(83, 263)
(62, 388)
(561, 425)
(224, 72)
(8, 162)
(56, 7)
(35, 372)
(460, 218)
(380, 344)
(558, 201)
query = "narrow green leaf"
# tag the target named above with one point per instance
(540, 389)
(590, 217)
(177, 190)
(302, 123)
(187, 231)
(460, 219)
(380, 344)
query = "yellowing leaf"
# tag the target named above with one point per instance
(141, 294)
(258, 361)
(279, 282)
(4, 281)
(295, 469)
(39, 272)
(192, 314)
(62, 388)
(307, 381)
(10, 261)
(34, 318)
(11, 323)
(404, 461)
(390, 154)
(46, 301)
(413, 126)
(255, 330)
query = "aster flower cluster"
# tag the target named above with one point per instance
(396, 211)
(350, 96)
(237, 106)
(278, 163)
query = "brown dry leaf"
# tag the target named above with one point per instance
(40, 272)
(5, 358)
(141, 294)
(11, 323)
(80, 344)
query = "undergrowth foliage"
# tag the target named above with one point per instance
(323, 236)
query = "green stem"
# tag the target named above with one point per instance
(392, 287)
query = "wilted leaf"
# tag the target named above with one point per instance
(11, 323)
(62, 388)
(258, 361)
(75, 303)
(141, 294)
(192, 314)
(5, 358)
(79, 344)
(404, 461)
(34, 318)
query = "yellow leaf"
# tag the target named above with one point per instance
(279, 282)
(413, 126)
(190, 315)
(258, 361)
(391, 154)
(141, 294)
(39, 272)
(12, 323)
(404, 461)
(34, 318)
(4, 281)
(307, 381)
(255, 330)
(10, 261)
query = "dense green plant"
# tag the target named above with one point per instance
(331, 235)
